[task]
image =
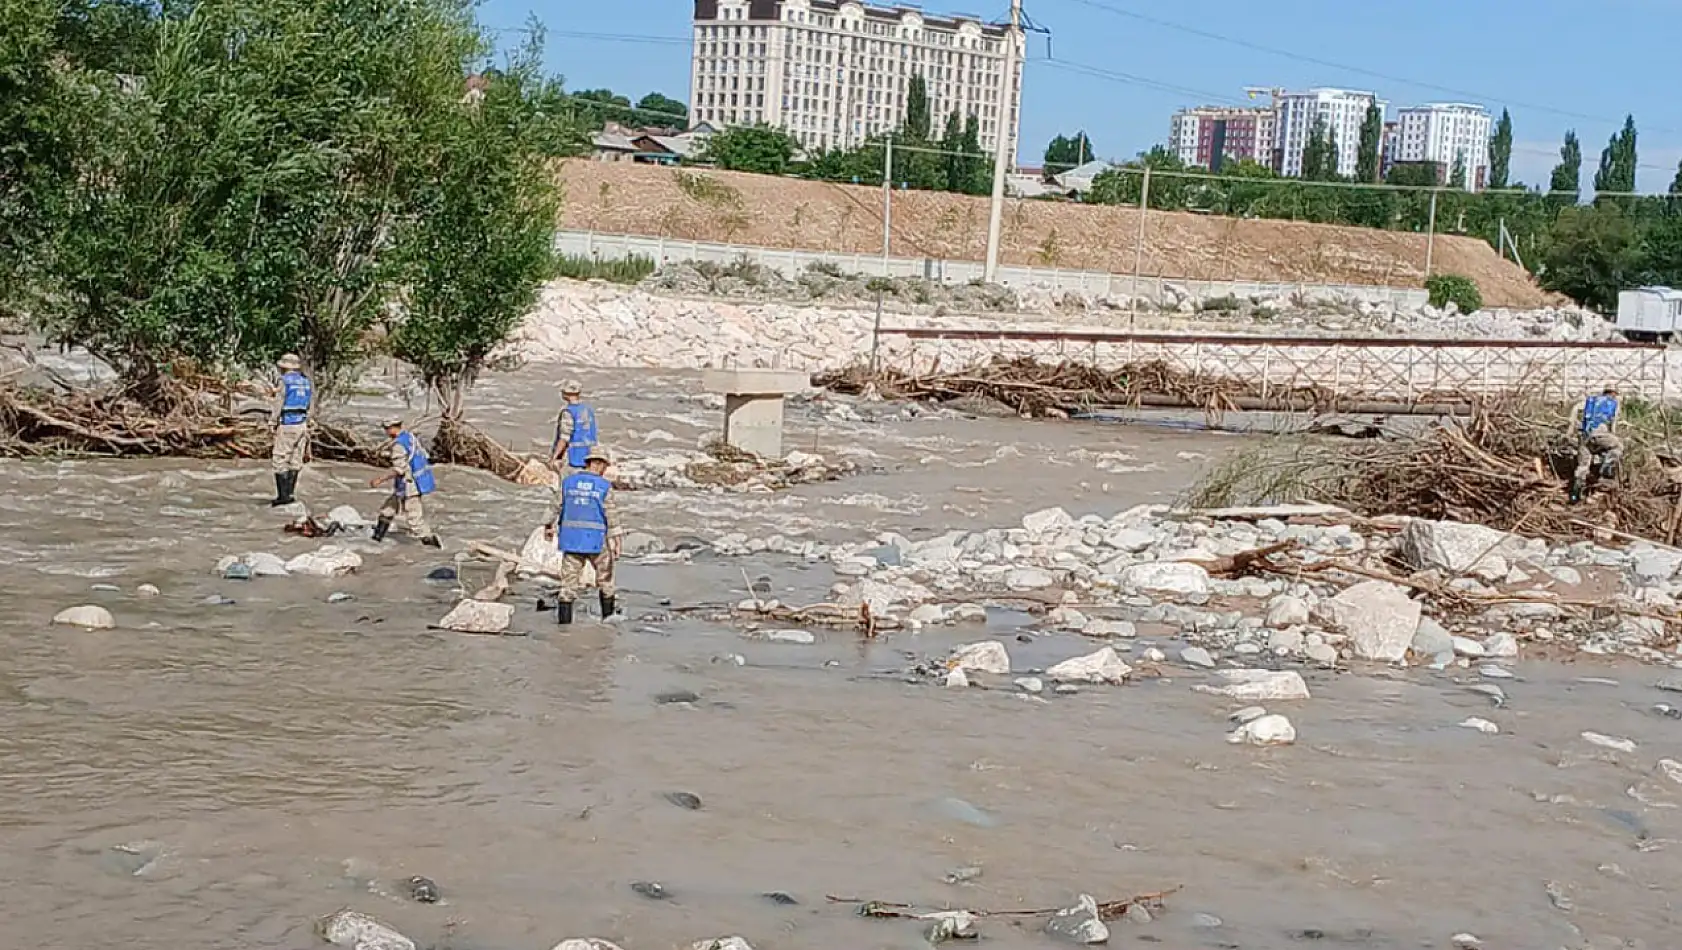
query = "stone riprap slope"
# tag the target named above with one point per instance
(707, 205)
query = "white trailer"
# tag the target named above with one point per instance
(1650, 313)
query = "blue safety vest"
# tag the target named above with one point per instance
(295, 405)
(1599, 411)
(583, 525)
(583, 434)
(420, 467)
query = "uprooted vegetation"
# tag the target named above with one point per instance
(1508, 465)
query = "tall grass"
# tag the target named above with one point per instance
(624, 270)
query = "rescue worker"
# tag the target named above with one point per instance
(293, 401)
(584, 523)
(575, 429)
(1596, 421)
(411, 480)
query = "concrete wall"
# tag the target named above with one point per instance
(1096, 283)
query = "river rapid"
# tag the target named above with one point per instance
(216, 774)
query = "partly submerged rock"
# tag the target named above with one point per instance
(1101, 666)
(330, 560)
(586, 943)
(347, 928)
(87, 616)
(1253, 686)
(1080, 924)
(722, 943)
(1169, 577)
(987, 656)
(1272, 729)
(1379, 618)
(478, 616)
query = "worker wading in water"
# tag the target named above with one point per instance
(1596, 421)
(411, 480)
(575, 429)
(291, 428)
(584, 523)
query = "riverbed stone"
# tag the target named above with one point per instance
(1287, 611)
(263, 564)
(1451, 546)
(1322, 653)
(1169, 577)
(927, 614)
(87, 616)
(1080, 924)
(478, 616)
(1257, 685)
(1029, 578)
(1430, 638)
(1286, 641)
(722, 943)
(1271, 729)
(347, 517)
(1197, 656)
(1099, 627)
(1101, 666)
(347, 928)
(330, 560)
(804, 637)
(987, 656)
(1467, 647)
(1501, 645)
(586, 943)
(1046, 521)
(1130, 540)
(1379, 618)
(956, 678)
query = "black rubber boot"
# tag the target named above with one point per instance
(563, 612)
(607, 605)
(380, 528)
(1576, 491)
(432, 541)
(282, 495)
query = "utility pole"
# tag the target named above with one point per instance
(1431, 234)
(887, 202)
(1007, 124)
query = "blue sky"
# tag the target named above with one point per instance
(1554, 64)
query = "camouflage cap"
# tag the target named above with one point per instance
(289, 361)
(572, 387)
(598, 454)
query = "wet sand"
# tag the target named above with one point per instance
(276, 758)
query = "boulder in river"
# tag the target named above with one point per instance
(1271, 729)
(87, 616)
(1253, 686)
(1451, 546)
(722, 943)
(1102, 666)
(987, 656)
(478, 616)
(1169, 577)
(330, 560)
(586, 943)
(347, 928)
(1080, 924)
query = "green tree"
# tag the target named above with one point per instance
(1592, 254)
(601, 106)
(1616, 173)
(978, 179)
(1457, 172)
(1501, 151)
(1676, 183)
(563, 129)
(1319, 152)
(918, 125)
(660, 111)
(1414, 174)
(1124, 184)
(239, 200)
(482, 241)
(1372, 135)
(1566, 180)
(1066, 152)
(952, 142)
(752, 148)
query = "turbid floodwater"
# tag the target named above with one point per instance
(239, 758)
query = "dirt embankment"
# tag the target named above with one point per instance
(731, 207)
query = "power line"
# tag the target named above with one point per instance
(1330, 64)
(622, 37)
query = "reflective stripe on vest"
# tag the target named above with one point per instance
(297, 392)
(1599, 411)
(583, 521)
(420, 467)
(583, 433)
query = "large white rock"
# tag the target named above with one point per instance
(1029, 578)
(987, 656)
(1102, 666)
(87, 616)
(722, 943)
(1258, 685)
(540, 555)
(347, 928)
(586, 943)
(1046, 521)
(1131, 540)
(329, 561)
(1287, 611)
(346, 517)
(478, 616)
(1379, 618)
(264, 564)
(1169, 577)
(1271, 729)
(1452, 546)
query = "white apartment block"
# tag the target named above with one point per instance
(1442, 133)
(835, 72)
(1343, 111)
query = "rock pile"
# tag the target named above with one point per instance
(607, 325)
(1463, 594)
(702, 470)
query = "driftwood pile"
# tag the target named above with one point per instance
(1508, 465)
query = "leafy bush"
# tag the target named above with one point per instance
(1227, 304)
(1463, 291)
(624, 270)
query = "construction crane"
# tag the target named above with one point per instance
(1254, 91)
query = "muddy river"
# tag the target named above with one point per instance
(237, 759)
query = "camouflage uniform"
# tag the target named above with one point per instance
(407, 508)
(572, 565)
